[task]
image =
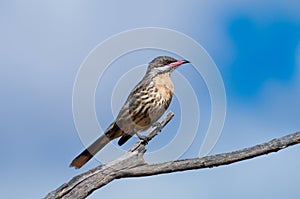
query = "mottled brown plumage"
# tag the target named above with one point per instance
(145, 104)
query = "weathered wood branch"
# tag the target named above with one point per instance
(132, 164)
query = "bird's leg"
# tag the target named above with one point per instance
(157, 125)
(142, 137)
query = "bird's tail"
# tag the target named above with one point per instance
(111, 133)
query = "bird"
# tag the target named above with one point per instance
(145, 104)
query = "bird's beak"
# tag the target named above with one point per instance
(185, 61)
(178, 63)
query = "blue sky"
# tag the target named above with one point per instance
(254, 44)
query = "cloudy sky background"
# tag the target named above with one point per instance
(254, 44)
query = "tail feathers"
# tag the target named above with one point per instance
(112, 132)
(88, 153)
(81, 159)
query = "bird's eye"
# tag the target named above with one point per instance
(168, 62)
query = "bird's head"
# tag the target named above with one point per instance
(164, 64)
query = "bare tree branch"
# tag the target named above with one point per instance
(132, 164)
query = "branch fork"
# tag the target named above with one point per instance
(132, 164)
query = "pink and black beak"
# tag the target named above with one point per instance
(185, 61)
(178, 63)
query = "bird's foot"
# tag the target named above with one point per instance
(157, 125)
(142, 137)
